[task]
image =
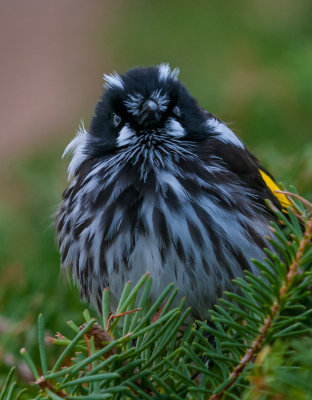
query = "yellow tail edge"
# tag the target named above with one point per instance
(273, 187)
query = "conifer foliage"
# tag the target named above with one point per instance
(256, 345)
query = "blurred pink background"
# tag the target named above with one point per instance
(46, 48)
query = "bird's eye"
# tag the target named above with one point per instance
(177, 111)
(116, 120)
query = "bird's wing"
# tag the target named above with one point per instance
(242, 163)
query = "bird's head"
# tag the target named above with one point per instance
(145, 117)
(145, 106)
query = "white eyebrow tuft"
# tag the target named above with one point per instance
(165, 72)
(113, 80)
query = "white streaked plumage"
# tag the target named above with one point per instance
(146, 256)
(174, 128)
(224, 133)
(125, 136)
(77, 148)
(146, 253)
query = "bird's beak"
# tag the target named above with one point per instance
(149, 113)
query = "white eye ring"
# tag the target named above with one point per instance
(116, 120)
(176, 110)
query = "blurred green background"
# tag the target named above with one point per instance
(248, 62)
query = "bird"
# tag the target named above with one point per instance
(158, 184)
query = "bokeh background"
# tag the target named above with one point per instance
(248, 62)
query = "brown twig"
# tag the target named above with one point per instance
(251, 352)
(86, 339)
(157, 315)
(101, 337)
(296, 196)
(113, 316)
(47, 385)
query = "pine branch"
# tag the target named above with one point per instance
(256, 345)
(282, 371)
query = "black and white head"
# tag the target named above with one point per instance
(146, 115)
(142, 102)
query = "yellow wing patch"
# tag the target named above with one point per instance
(273, 187)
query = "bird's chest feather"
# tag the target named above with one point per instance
(116, 227)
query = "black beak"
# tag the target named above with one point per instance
(149, 113)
